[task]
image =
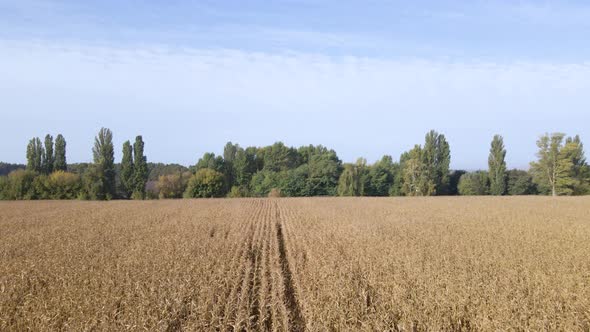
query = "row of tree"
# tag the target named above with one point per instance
(46, 159)
(561, 169)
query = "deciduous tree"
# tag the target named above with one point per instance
(520, 183)
(60, 163)
(552, 172)
(204, 184)
(474, 183)
(48, 156)
(436, 159)
(140, 174)
(497, 166)
(103, 172)
(127, 170)
(35, 156)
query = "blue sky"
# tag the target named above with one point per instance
(366, 78)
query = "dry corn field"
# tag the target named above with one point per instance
(314, 264)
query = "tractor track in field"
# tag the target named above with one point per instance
(238, 255)
(296, 319)
(262, 276)
(254, 275)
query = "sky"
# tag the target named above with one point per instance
(366, 78)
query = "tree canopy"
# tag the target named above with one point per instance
(281, 170)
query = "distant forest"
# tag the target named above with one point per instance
(279, 170)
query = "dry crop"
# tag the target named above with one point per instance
(339, 264)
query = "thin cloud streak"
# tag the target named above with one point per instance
(388, 104)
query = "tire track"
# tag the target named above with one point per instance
(296, 319)
(242, 309)
(231, 294)
(256, 275)
(248, 301)
(278, 309)
(265, 293)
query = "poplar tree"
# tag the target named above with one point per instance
(104, 162)
(35, 154)
(140, 169)
(48, 157)
(230, 152)
(497, 166)
(127, 170)
(60, 163)
(436, 160)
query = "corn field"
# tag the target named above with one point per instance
(299, 264)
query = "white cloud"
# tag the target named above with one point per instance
(382, 105)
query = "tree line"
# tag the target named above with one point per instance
(280, 170)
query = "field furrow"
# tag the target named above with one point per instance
(296, 319)
(239, 278)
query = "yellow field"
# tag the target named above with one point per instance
(336, 264)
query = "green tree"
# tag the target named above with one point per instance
(263, 181)
(324, 169)
(454, 181)
(554, 171)
(102, 175)
(381, 177)
(573, 151)
(140, 174)
(35, 155)
(205, 183)
(209, 160)
(244, 166)
(353, 179)
(279, 157)
(4, 188)
(520, 183)
(60, 163)
(436, 159)
(20, 185)
(48, 156)
(398, 178)
(346, 183)
(415, 181)
(173, 185)
(158, 169)
(294, 183)
(229, 157)
(127, 170)
(58, 185)
(497, 166)
(474, 183)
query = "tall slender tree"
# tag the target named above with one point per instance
(104, 160)
(35, 154)
(436, 159)
(230, 152)
(141, 170)
(48, 157)
(127, 170)
(60, 163)
(244, 165)
(497, 166)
